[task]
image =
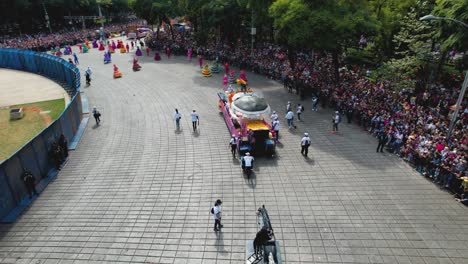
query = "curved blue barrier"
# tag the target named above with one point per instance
(34, 154)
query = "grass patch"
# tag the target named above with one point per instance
(15, 133)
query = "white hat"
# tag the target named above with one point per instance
(233, 135)
(306, 134)
(336, 112)
(247, 154)
(274, 112)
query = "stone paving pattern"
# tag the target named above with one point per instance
(137, 191)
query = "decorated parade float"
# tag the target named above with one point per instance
(244, 114)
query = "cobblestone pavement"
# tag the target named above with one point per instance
(137, 191)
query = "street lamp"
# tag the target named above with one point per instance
(47, 18)
(432, 17)
(465, 82)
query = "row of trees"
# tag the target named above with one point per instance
(402, 47)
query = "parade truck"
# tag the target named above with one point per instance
(244, 114)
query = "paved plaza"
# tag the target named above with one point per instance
(137, 191)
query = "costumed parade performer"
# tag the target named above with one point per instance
(157, 57)
(215, 66)
(113, 45)
(225, 80)
(119, 44)
(87, 44)
(127, 47)
(226, 67)
(189, 54)
(95, 44)
(231, 78)
(80, 46)
(206, 71)
(243, 85)
(67, 50)
(101, 46)
(107, 57)
(168, 52)
(58, 53)
(122, 49)
(138, 52)
(200, 61)
(117, 73)
(242, 76)
(85, 49)
(147, 51)
(136, 66)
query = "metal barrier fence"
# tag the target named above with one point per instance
(34, 155)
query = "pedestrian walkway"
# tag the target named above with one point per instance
(137, 191)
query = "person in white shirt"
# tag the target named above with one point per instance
(233, 145)
(275, 127)
(305, 143)
(274, 116)
(300, 108)
(288, 106)
(177, 116)
(290, 117)
(195, 120)
(314, 103)
(336, 120)
(216, 211)
(247, 163)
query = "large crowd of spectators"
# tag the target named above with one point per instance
(46, 41)
(413, 122)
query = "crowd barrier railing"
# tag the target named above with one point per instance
(34, 155)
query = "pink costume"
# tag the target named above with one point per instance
(189, 54)
(200, 61)
(225, 80)
(242, 75)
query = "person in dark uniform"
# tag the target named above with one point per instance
(233, 145)
(349, 113)
(382, 140)
(63, 143)
(29, 182)
(55, 155)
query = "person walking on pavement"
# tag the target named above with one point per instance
(300, 108)
(305, 143)
(314, 103)
(247, 164)
(75, 58)
(88, 73)
(195, 120)
(273, 117)
(275, 127)
(382, 137)
(290, 118)
(233, 145)
(177, 116)
(29, 182)
(336, 120)
(216, 212)
(288, 106)
(96, 115)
